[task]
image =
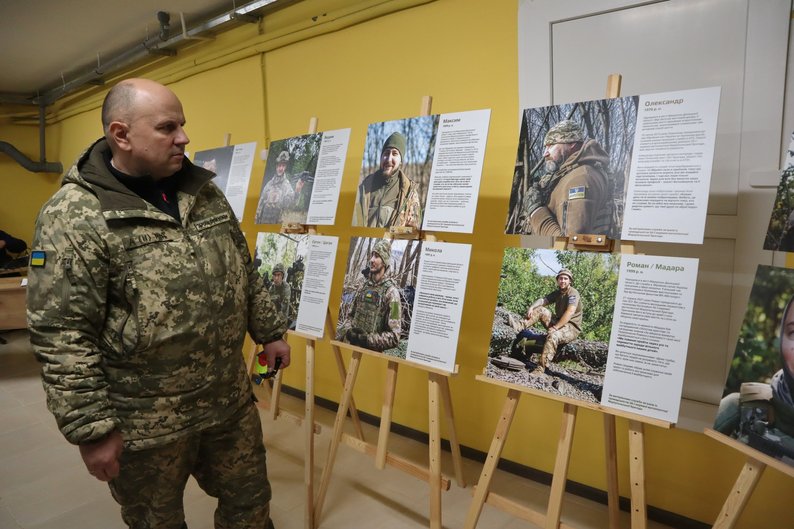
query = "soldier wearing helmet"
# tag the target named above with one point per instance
(280, 292)
(277, 194)
(388, 197)
(374, 320)
(563, 325)
(572, 196)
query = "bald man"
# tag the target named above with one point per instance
(141, 289)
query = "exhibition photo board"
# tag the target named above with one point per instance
(601, 328)
(422, 172)
(232, 166)
(298, 270)
(303, 178)
(616, 167)
(757, 407)
(780, 234)
(404, 298)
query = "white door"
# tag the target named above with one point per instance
(566, 51)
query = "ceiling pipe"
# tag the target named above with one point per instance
(151, 46)
(42, 166)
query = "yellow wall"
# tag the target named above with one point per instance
(463, 53)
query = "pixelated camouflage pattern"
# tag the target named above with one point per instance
(558, 337)
(565, 131)
(139, 321)
(381, 204)
(383, 249)
(280, 295)
(228, 462)
(374, 320)
(277, 195)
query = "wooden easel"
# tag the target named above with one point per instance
(307, 421)
(551, 518)
(748, 478)
(438, 391)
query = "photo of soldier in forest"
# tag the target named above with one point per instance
(395, 173)
(757, 407)
(572, 168)
(780, 235)
(289, 180)
(378, 294)
(553, 320)
(280, 259)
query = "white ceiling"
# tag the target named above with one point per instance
(47, 42)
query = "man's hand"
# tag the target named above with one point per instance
(356, 336)
(534, 200)
(277, 349)
(101, 458)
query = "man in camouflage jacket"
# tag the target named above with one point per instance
(573, 196)
(141, 289)
(375, 317)
(388, 197)
(277, 194)
(280, 292)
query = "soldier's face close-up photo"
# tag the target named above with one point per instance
(563, 282)
(155, 135)
(554, 155)
(787, 341)
(390, 160)
(280, 168)
(375, 264)
(278, 277)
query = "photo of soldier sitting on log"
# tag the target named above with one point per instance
(553, 320)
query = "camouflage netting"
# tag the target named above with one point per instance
(590, 353)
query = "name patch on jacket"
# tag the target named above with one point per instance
(212, 221)
(142, 240)
(576, 192)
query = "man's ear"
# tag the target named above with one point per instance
(118, 131)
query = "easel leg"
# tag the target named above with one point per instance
(339, 424)
(275, 397)
(639, 519)
(454, 446)
(740, 494)
(561, 467)
(385, 415)
(494, 453)
(340, 366)
(308, 428)
(434, 395)
(611, 452)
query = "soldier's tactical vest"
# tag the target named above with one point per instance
(278, 294)
(371, 304)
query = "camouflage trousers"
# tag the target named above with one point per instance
(228, 462)
(565, 334)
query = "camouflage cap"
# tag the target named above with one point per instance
(283, 157)
(278, 268)
(383, 249)
(565, 131)
(565, 272)
(397, 141)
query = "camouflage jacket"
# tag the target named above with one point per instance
(375, 317)
(281, 294)
(578, 194)
(277, 195)
(400, 208)
(139, 320)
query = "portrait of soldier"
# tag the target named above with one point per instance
(388, 197)
(281, 292)
(563, 325)
(277, 194)
(374, 319)
(571, 197)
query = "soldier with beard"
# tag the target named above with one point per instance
(388, 197)
(375, 317)
(572, 196)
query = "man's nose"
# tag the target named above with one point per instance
(181, 137)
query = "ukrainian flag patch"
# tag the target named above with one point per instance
(576, 192)
(38, 258)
